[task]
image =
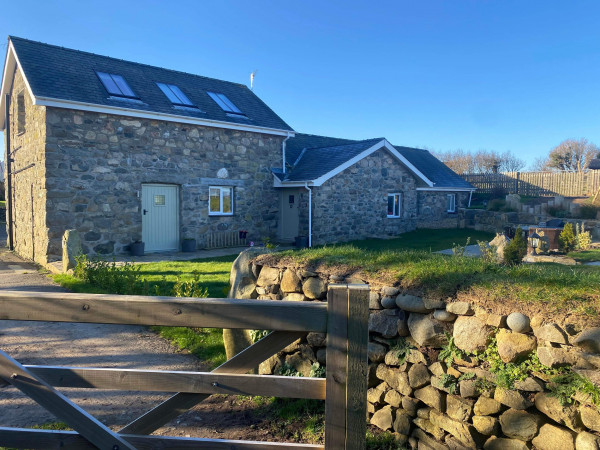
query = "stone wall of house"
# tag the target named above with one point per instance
(353, 204)
(29, 191)
(459, 403)
(96, 165)
(432, 209)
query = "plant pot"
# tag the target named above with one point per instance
(188, 245)
(137, 248)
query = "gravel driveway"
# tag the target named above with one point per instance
(84, 345)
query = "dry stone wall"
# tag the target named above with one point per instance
(439, 371)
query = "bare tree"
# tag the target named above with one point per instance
(458, 160)
(539, 164)
(571, 155)
(511, 163)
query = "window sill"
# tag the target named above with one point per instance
(20, 133)
(394, 217)
(219, 214)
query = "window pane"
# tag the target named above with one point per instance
(123, 86)
(109, 84)
(396, 205)
(215, 200)
(227, 200)
(229, 103)
(390, 211)
(218, 100)
(180, 95)
(159, 200)
(170, 95)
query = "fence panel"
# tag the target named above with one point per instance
(567, 184)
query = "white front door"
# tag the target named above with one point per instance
(290, 218)
(160, 217)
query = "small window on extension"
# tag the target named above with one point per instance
(116, 85)
(21, 112)
(225, 104)
(174, 94)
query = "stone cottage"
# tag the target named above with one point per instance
(122, 152)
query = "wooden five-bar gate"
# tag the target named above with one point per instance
(344, 318)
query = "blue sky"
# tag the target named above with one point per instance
(497, 75)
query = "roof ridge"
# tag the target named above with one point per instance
(124, 60)
(343, 145)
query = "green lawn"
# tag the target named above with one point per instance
(586, 255)
(429, 240)
(2, 204)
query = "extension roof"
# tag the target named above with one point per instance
(314, 159)
(63, 77)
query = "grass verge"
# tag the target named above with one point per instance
(585, 256)
(551, 287)
(213, 274)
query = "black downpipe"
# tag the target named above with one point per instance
(9, 198)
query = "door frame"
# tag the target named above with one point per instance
(177, 214)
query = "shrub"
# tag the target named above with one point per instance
(555, 211)
(566, 239)
(516, 249)
(588, 211)
(496, 204)
(489, 253)
(583, 239)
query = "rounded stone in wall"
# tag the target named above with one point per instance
(223, 173)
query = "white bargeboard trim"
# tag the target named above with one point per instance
(379, 145)
(10, 64)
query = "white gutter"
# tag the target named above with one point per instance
(283, 150)
(309, 214)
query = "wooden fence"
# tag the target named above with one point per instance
(344, 318)
(583, 184)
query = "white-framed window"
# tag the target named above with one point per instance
(394, 207)
(220, 201)
(451, 203)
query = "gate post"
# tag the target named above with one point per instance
(346, 359)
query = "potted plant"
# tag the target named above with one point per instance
(137, 248)
(188, 245)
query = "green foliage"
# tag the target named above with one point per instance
(588, 211)
(516, 249)
(566, 239)
(382, 441)
(507, 374)
(205, 343)
(556, 211)
(257, 335)
(287, 370)
(451, 383)
(564, 386)
(489, 253)
(317, 371)
(401, 348)
(583, 239)
(450, 352)
(459, 250)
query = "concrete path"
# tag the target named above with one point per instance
(470, 250)
(83, 345)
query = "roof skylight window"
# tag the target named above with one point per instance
(116, 85)
(225, 104)
(174, 94)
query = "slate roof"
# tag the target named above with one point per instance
(316, 162)
(310, 157)
(438, 172)
(594, 164)
(66, 74)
